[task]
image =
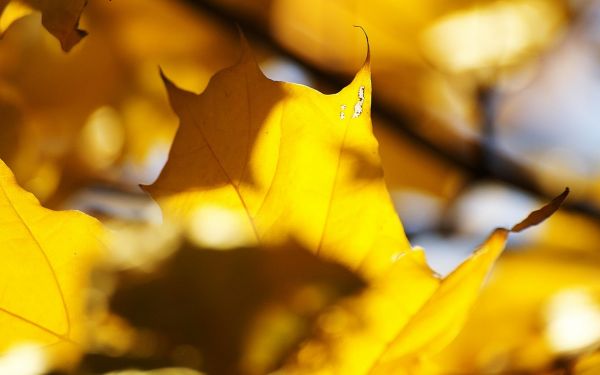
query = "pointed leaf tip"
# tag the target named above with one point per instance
(538, 216)
(169, 85)
(241, 35)
(245, 46)
(72, 39)
(164, 77)
(173, 91)
(367, 63)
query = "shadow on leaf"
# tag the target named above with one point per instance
(226, 312)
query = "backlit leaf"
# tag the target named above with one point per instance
(293, 161)
(46, 256)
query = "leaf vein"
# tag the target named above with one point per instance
(230, 180)
(277, 165)
(332, 192)
(46, 259)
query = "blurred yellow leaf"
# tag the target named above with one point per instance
(292, 162)
(46, 256)
(59, 17)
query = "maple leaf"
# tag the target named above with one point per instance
(59, 17)
(297, 163)
(46, 256)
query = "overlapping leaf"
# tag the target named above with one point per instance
(121, 124)
(46, 256)
(294, 162)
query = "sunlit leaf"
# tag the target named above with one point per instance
(293, 161)
(46, 256)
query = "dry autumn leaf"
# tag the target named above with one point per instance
(46, 256)
(292, 162)
(59, 17)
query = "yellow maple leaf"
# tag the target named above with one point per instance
(297, 163)
(59, 17)
(46, 256)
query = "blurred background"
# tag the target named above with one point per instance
(483, 110)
